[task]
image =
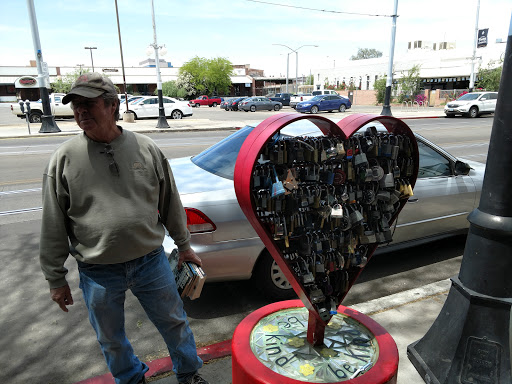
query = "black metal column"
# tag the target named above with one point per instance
(48, 124)
(470, 341)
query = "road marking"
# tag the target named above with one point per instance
(21, 182)
(20, 191)
(19, 211)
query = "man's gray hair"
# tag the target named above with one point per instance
(109, 98)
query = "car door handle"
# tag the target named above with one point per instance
(412, 200)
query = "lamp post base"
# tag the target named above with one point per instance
(48, 124)
(386, 111)
(162, 122)
(468, 343)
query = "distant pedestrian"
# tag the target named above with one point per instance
(107, 195)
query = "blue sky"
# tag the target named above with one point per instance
(242, 31)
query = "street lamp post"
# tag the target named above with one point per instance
(80, 66)
(48, 124)
(296, 63)
(162, 122)
(386, 108)
(90, 50)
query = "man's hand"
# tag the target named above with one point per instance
(62, 296)
(188, 255)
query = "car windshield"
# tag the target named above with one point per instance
(221, 157)
(317, 98)
(469, 96)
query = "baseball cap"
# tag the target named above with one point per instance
(91, 84)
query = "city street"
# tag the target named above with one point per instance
(34, 327)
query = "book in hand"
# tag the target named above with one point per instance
(190, 277)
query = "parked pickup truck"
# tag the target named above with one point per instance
(283, 98)
(36, 108)
(205, 100)
(295, 99)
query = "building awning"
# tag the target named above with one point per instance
(241, 79)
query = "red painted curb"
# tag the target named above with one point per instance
(160, 366)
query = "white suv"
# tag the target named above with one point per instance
(472, 104)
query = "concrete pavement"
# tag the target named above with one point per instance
(406, 316)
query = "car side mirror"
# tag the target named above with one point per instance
(462, 168)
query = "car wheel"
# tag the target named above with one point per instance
(473, 112)
(342, 108)
(314, 109)
(253, 108)
(198, 105)
(214, 104)
(35, 117)
(277, 107)
(176, 114)
(271, 280)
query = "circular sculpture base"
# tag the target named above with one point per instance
(270, 346)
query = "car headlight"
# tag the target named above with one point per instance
(306, 105)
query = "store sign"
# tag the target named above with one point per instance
(482, 38)
(28, 81)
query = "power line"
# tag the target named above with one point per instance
(319, 10)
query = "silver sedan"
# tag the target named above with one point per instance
(446, 191)
(256, 103)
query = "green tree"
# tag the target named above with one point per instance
(206, 76)
(366, 53)
(489, 78)
(310, 80)
(380, 89)
(63, 84)
(171, 89)
(409, 83)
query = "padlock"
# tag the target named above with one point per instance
(387, 181)
(337, 211)
(356, 217)
(368, 237)
(316, 296)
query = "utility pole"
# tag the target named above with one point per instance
(48, 124)
(473, 58)
(122, 60)
(386, 108)
(470, 341)
(162, 122)
(90, 50)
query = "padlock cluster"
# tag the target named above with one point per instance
(326, 200)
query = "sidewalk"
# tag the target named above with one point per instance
(406, 316)
(69, 127)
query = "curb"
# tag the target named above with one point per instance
(162, 366)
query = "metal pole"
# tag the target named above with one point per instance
(472, 76)
(92, 61)
(162, 122)
(287, 66)
(296, 71)
(386, 108)
(122, 60)
(470, 339)
(48, 124)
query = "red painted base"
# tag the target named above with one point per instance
(248, 369)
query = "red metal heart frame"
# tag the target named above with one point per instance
(243, 179)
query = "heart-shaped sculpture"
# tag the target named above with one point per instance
(322, 204)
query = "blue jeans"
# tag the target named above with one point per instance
(151, 280)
